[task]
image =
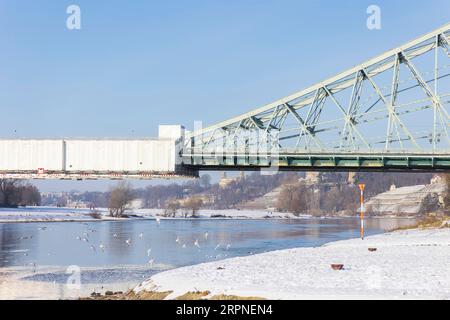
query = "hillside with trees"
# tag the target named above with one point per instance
(331, 193)
(447, 194)
(236, 192)
(334, 194)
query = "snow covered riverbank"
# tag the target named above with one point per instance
(411, 264)
(53, 214)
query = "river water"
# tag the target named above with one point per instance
(128, 251)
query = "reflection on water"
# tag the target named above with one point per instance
(172, 242)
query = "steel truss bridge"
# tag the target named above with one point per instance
(388, 113)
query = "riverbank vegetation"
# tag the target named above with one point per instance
(155, 295)
(330, 193)
(333, 193)
(446, 178)
(15, 193)
(120, 198)
(189, 207)
(430, 221)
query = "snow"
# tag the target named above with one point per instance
(411, 264)
(404, 200)
(22, 283)
(224, 214)
(29, 214)
(53, 214)
(49, 214)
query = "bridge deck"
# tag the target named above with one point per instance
(329, 162)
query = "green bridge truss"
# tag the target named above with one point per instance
(388, 113)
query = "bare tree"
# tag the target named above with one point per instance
(172, 206)
(10, 194)
(205, 181)
(30, 196)
(62, 201)
(194, 204)
(120, 197)
(293, 198)
(446, 179)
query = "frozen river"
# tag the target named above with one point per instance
(109, 252)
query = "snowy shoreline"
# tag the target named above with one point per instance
(410, 264)
(54, 214)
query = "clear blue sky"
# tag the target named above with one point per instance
(136, 64)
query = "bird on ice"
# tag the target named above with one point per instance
(128, 241)
(102, 247)
(115, 235)
(177, 240)
(141, 235)
(85, 239)
(206, 235)
(196, 243)
(93, 248)
(148, 252)
(158, 220)
(228, 246)
(217, 247)
(34, 266)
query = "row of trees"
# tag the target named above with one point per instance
(235, 192)
(14, 193)
(190, 205)
(447, 194)
(189, 196)
(241, 190)
(334, 194)
(158, 196)
(299, 198)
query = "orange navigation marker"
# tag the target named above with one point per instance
(362, 186)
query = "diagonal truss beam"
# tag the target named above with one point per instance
(445, 43)
(382, 63)
(349, 121)
(310, 122)
(392, 113)
(303, 124)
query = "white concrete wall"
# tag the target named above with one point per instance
(119, 155)
(76, 155)
(28, 155)
(173, 132)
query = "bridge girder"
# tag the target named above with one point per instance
(395, 103)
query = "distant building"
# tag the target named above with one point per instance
(351, 179)
(225, 181)
(76, 204)
(137, 204)
(312, 177)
